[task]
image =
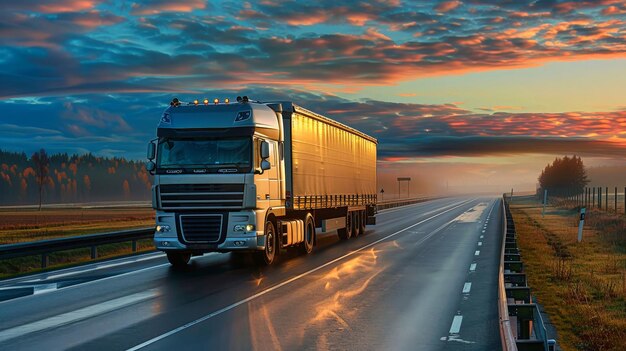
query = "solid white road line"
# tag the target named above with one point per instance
(467, 287)
(75, 316)
(455, 328)
(280, 285)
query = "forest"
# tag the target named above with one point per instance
(70, 179)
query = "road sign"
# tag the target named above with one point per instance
(404, 179)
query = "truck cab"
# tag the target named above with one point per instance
(218, 169)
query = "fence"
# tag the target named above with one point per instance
(607, 199)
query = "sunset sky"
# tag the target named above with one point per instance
(478, 95)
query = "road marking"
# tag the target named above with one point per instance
(480, 243)
(482, 236)
(467, 287)
(75, 316)
(472, 267)
(289, 281)
(455, 328)
(477, 253)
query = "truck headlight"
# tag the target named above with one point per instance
(244, 228)
(163, 228)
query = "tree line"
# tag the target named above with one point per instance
(63, 178)
(564, 177)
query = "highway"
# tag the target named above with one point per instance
(424, 278)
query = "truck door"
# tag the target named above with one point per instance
(274, 175)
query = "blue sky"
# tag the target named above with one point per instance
(456, 84)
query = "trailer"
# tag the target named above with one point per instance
(257, 178)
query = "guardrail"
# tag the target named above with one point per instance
(46, 247)
(521, 325)
(403, 202)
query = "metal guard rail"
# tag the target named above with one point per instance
(506, 333)
(46, 247)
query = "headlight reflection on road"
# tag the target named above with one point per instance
(336, 306)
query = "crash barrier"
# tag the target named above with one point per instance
(47, 247)
(521, 324)
(403, 202)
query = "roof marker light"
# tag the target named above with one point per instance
(206, 101)
(216, 101)
(227, 100)
(195, 102)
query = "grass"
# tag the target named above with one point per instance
(30, 225)
(582, 285)
(25, 225)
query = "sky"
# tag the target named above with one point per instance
(474, 95)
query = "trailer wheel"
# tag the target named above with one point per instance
(179, 259)
(363, 221)
(266, 257)
(356, 223)
(309, 234)
(346, 233)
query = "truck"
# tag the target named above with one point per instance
(256, 178)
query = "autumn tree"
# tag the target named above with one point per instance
(565, 176)
(41, 161)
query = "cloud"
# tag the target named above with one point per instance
(446, 6)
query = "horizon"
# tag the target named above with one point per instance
(460, 94)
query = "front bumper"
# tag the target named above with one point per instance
(246, 243)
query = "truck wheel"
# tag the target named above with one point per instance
(346, 233)
(356, 223)
(266, 257)
(179, 259)
(363, 221)
(309, 234)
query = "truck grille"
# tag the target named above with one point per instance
(201, 228)
(201, 196)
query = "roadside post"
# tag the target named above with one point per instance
(545, 200)
(581, 223)
(382, 194)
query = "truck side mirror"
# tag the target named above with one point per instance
(265, 165)
(265, 150)
(151, 151)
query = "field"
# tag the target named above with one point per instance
(21, 225)
(28, 224)
(581, 285)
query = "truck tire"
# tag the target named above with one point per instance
(363, 221)
(356, 224)
(346, 233)
(309, 234)
(267, 256)
(179, 259)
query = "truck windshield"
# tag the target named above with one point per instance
(204, 155)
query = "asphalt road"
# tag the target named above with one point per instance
(424, 278)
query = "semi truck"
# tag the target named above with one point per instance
(255, 178)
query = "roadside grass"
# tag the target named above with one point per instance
(581, 285)
(62, 259)
(30, 225)
(26, 225)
